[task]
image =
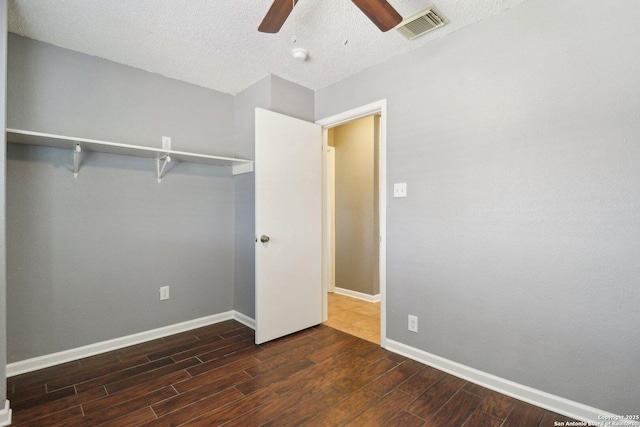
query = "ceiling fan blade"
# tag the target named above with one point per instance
(277, 14)
(380, 12)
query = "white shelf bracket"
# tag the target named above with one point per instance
(164, 160)
(76, 160)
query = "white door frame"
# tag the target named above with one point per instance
(329, 222)
(378, 107)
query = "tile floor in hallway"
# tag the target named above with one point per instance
(354, 316)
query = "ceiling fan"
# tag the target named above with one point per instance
(380, 12)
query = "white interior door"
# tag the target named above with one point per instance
(288, 174)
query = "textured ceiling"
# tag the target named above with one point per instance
(215, 43)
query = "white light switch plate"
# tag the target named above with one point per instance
(400, 189)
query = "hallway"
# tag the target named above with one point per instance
(354, 316)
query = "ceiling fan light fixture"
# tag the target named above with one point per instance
(300, 54)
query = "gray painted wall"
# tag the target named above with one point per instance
(292, 99)
(245, 103)
(356, 231)
(518, 247)
(86, 256)
(63, 92)
(275, 94)
(3, 239)
(81, 249)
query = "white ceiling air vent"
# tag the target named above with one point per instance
(421, 23)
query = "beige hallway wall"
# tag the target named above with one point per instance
(356, 220)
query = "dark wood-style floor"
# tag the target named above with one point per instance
(217, 376)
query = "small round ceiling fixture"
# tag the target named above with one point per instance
(300, 54)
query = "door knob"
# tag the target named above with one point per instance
(264, 239)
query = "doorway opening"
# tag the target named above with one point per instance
(354, 232)
(352, 189)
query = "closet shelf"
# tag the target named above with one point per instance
(238, 166)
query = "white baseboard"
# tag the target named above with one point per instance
(41, 362)
(356, 294)
(244, 319)
(5, 414)
(527, 394)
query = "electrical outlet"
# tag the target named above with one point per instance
(400, 189)
(413, 323)
(164, 293)
(166, 143)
